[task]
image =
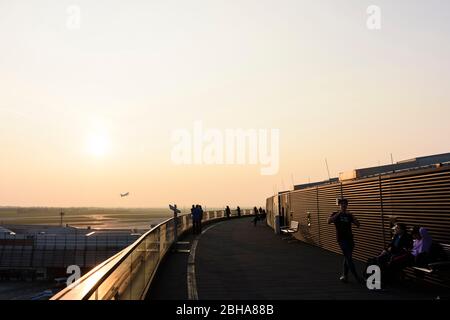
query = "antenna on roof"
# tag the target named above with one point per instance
(392, 159)
(328, 170)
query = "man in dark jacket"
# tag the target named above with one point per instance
(401, 244)
(396, 256)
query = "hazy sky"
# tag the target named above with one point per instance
(88, 112)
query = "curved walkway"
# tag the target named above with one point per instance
(235, 260)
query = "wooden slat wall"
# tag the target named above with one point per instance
(284, 205)
(327, 204)
(365, 204)
(302, 204)
(420, 197)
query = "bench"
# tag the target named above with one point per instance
(443, 265)
(289, 231)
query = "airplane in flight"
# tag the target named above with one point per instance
(124, 194)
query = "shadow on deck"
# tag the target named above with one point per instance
(235, 260)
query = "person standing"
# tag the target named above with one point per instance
(200, 218)
(238, 211)
(343, 221)
(228, 212)
(194, 213)
(255, 219)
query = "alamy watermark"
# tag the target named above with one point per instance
(74, 273)
(73, 21)
(227, 147)
(374, 18)
(373, 281)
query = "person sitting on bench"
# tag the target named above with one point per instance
(397, 255)
(419, 255)
(421, 247)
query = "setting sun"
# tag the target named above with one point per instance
(98, 144)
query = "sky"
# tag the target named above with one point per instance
(91, 93)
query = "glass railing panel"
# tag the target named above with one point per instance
(180, 225)
(129, 274)
(166, 237)
(116, 285)
(188, 221)
(137, 272)
(153, 254)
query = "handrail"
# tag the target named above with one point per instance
(117, 259)
(128, 274)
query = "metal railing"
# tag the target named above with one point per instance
(128, 274)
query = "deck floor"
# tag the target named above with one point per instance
(235, 260)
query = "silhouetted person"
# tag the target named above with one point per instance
(421, 246)
(343, 221)
(396, 255)
(401, 243)
(238, 211)
(255, 219)
(228, 212)
(195, 219)
(200, 210)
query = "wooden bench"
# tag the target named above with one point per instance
(289, 231)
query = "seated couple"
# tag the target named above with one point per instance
(404, 250)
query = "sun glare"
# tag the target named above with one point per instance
(98, 145)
